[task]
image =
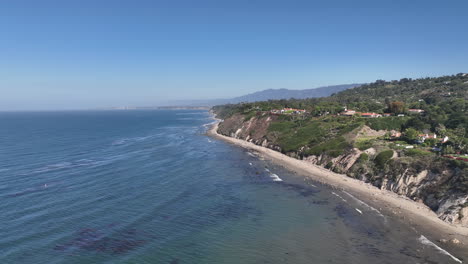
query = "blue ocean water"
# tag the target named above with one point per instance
(150, 187)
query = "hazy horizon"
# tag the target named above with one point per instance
(87, 55)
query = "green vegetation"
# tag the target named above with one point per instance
(363, 144)
(441, 108)
(387, 123)
(383, 157)
(363, 157)
(417, 152)
(333, 147)
(414, 126)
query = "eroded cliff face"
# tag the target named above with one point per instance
(434, 184)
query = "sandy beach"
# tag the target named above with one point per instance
(415, 214)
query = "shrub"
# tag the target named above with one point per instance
(249, 115)
(386, 123)
(334, 147)
(363, 157)
(363, 145)
(281, 127)
(383, 157)
(416, 152)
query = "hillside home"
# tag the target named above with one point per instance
(423, 137)
(395, 134)
(370, 115)
(416, 111)
(444, 139)
(348, 113)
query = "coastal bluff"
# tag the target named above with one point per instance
(426, 181)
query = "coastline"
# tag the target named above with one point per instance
(417, 215)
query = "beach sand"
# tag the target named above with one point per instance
(415, 214)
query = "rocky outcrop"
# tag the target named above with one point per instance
(433, 183)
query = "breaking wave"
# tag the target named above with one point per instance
(427, 242)
(365, 204)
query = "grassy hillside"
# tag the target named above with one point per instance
(443, 100)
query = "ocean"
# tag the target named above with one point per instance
(151, 187)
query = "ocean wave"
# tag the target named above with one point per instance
(275, 177)
(191, 113)
(251, 154)
(123, 141)
(365, 204)
(427, 242)
(37, 188)
(189, 118)
(339, 196)
(67, 165)
(210, 123)
(61, 166)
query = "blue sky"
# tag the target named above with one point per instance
(85, 54)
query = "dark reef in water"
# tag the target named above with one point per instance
(98, 240)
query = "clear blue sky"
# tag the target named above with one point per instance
(83, 54)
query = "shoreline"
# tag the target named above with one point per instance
(411, 212)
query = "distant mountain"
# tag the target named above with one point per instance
(270, 94)
(276, 94)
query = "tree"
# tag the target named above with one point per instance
(396, 107)
(411, 134)
(441, 130)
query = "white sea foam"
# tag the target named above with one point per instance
(190, 113)
(210, 123)
(337, 195)
(365, 204)
(123, 141)
(65, 165)
(189, 118)
(250, 154)
(427, 242)
(275, 177)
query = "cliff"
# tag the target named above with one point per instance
(427, 179)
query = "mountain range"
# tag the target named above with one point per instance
(270, 94)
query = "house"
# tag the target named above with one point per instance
(416, 111)
(387, 114)
(423, 137)
(444, 139)
(348, 113)
(395, 134)
(370, 115)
